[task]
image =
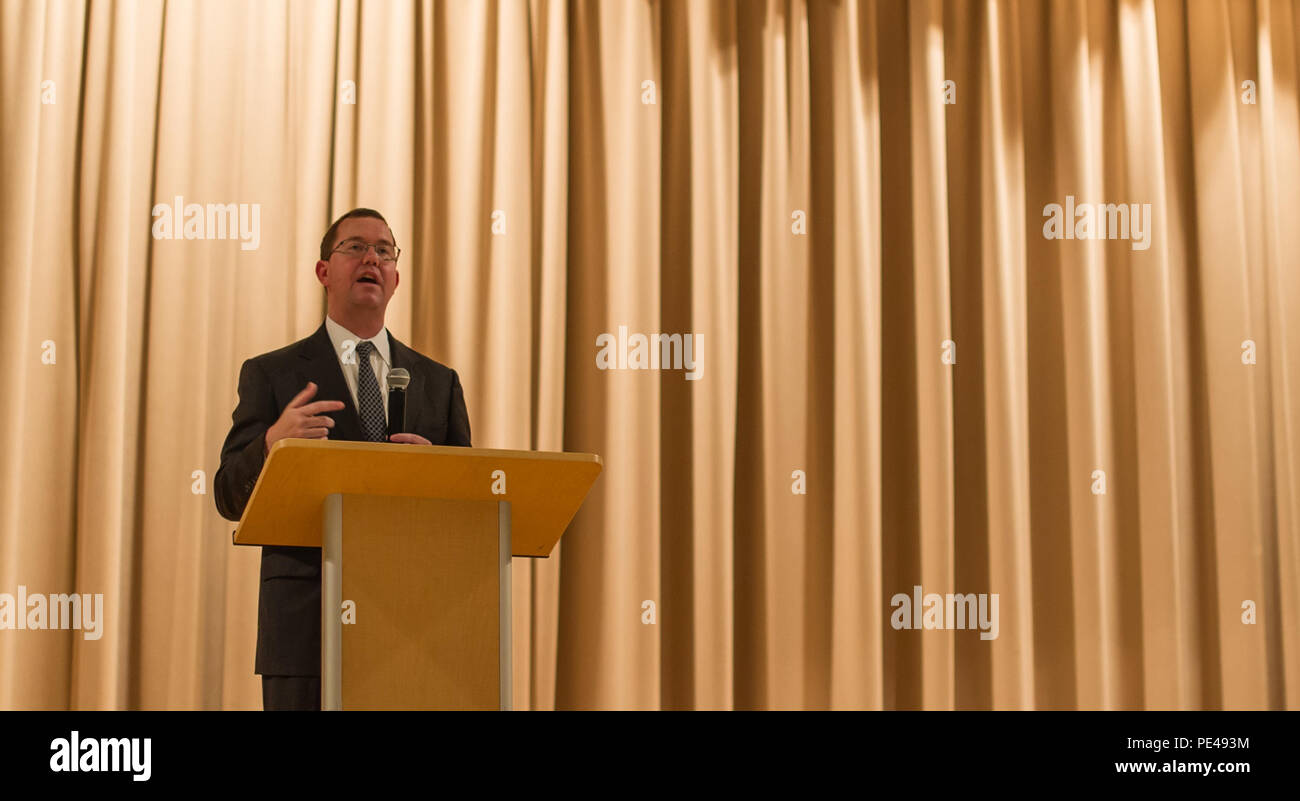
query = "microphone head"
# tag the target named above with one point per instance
(398, 378)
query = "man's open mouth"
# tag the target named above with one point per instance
(368, 279)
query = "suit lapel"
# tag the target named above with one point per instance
(321, 365)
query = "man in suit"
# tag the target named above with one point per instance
(333, 384)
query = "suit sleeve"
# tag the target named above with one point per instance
(457, 415)
(243, 453)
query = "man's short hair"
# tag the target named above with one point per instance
(327, 242)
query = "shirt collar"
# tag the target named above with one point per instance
(339, 334)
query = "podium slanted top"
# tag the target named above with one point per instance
(544, 489)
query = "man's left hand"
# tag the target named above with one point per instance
(409, 439)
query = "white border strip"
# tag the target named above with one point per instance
(503, 554)
(331, 601)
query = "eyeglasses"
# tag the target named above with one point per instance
(357, 249)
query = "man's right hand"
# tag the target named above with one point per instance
(303, 420)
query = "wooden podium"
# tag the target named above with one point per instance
(415, 568)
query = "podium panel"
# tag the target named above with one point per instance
(428, 626)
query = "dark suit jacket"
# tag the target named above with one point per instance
(288, 606)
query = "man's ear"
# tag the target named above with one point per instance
(397, 279)
(322, 269)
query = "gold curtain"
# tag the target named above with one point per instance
(858, 246)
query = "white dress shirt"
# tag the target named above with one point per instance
(345, 348)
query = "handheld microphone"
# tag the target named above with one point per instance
(398, 379)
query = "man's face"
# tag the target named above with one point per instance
(365, 281)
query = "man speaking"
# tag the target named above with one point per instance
(333, 384)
